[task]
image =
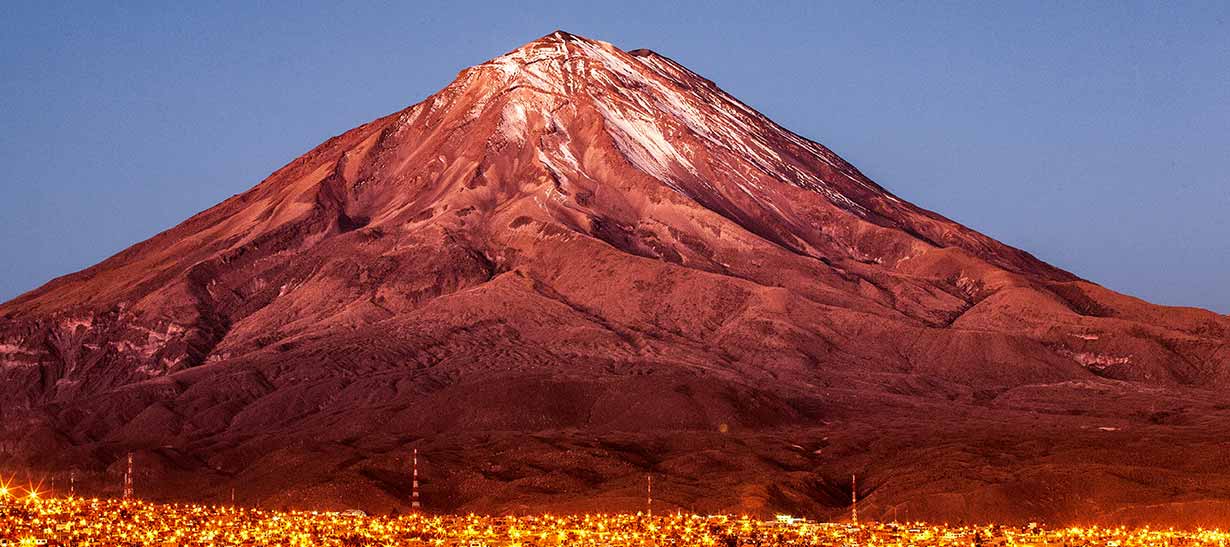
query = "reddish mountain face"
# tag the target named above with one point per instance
(575, 266)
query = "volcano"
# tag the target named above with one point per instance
(576, 267)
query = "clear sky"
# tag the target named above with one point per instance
(1094, 134)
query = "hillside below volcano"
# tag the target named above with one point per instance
(576, 266)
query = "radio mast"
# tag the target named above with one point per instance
(414, 491)
(128, 479)
(854, 498)
(649, 494)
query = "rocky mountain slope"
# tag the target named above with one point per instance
(576, 266)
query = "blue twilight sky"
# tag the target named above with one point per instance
(1094, 134)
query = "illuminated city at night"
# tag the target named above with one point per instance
(28, 520)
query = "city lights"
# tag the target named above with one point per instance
(35, 520)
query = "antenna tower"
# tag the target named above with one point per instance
(414, 492)
(128, 479)
(649, 494)
(854, 498)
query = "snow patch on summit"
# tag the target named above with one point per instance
(643, 143)
(643, 98)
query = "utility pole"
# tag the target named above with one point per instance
(854, 498)
(72, 484)
(414, 491)
(128, 479)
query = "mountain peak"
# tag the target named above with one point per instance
(551, 45)
(557, 46)
(563, 36)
